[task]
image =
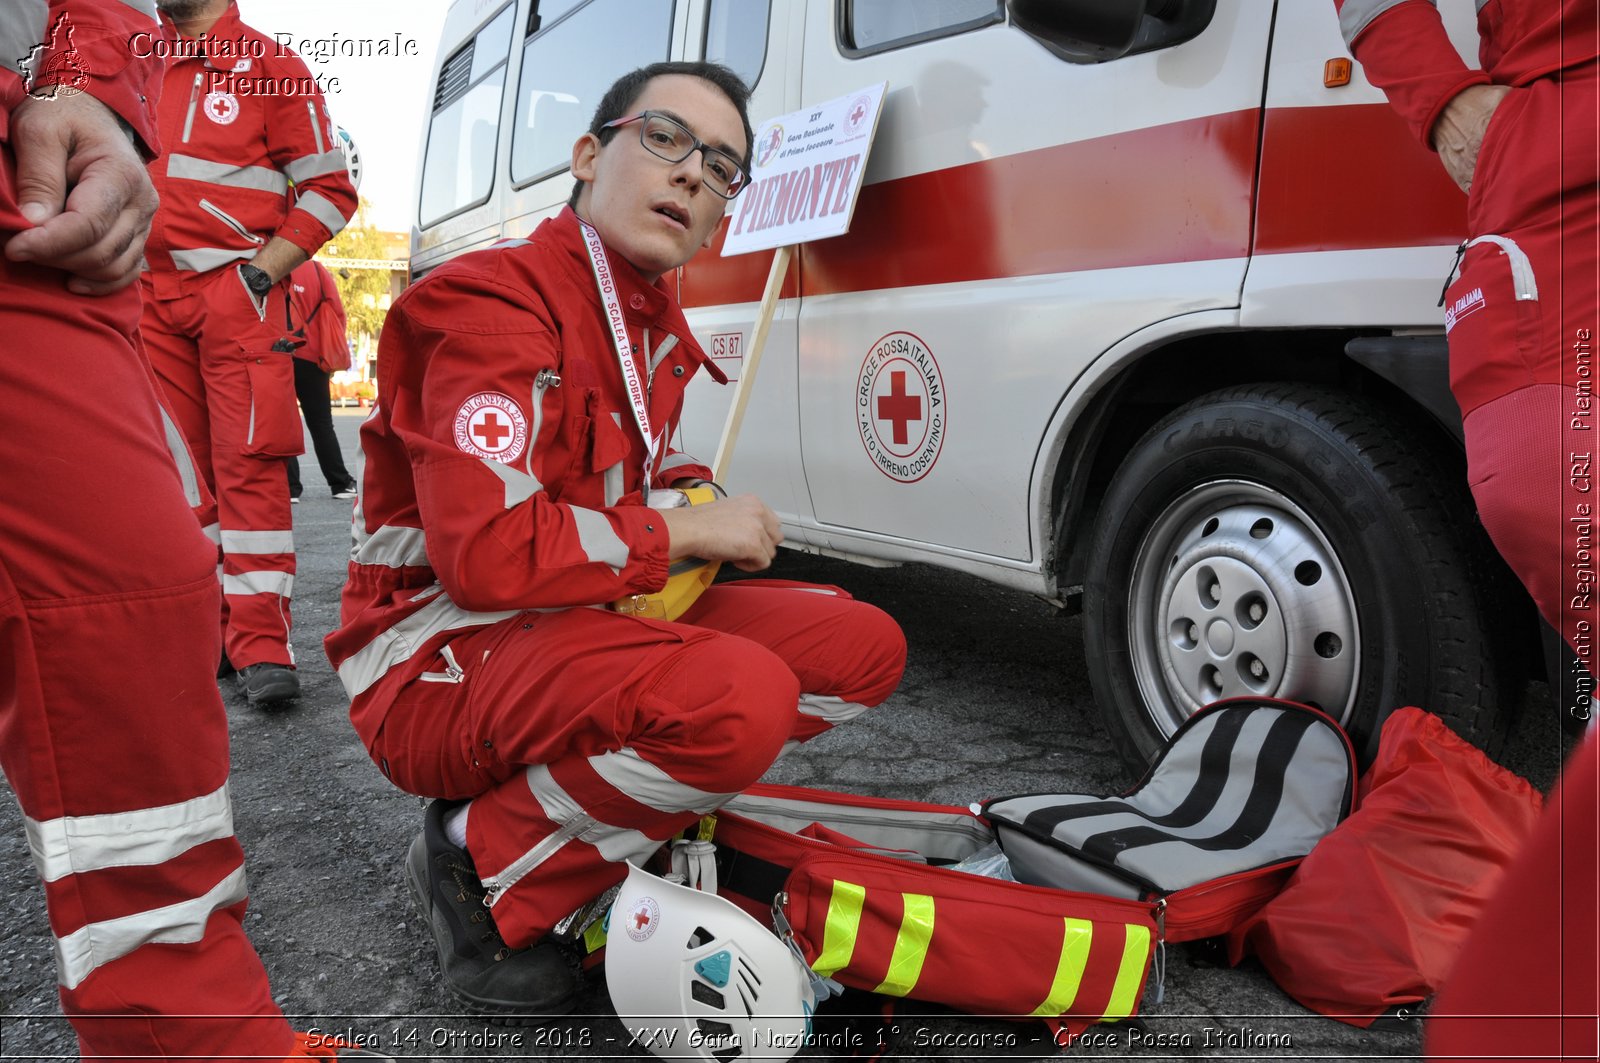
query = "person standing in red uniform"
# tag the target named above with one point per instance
(516, 481)
(321, 346)
(242, 120)
(1519, 136)
(112, 735)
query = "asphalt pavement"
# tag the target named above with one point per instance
(995, 701)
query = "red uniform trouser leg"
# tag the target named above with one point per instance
(233, 397)
(1524, 986)
(111, 731)
(1522, 319)
(588, 738)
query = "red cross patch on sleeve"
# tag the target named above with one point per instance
(491, 425)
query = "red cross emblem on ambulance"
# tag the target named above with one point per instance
(901, 407)
(491, 425)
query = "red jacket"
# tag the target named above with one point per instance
(503, 466)
(242, 120)
(90, 52)
(317, 314)
(1403, 49)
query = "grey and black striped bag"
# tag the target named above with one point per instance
(1241, 793)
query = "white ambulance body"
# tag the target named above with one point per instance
(1050, 259)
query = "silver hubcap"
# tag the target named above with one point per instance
(1236, 592)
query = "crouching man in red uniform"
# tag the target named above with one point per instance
(505, 501)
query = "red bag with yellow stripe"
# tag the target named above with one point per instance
(858, 883)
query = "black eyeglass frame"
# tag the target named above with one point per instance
(696, 144)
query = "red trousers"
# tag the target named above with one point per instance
(1522, 323)
(111, 730)
(1522, 320)
(233, 397)
(587, 738)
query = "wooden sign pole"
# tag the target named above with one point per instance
(752, 360)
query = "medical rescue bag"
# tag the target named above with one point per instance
(857, 883)
(1235, 801)
(1374, 920)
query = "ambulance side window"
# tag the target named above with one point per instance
(567, 65)
(736, 36)
(870, 26)
(458, 169)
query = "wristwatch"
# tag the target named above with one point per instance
(256, 279)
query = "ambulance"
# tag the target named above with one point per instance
(1137, 312)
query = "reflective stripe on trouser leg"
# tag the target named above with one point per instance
(115, 618)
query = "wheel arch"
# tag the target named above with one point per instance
(1157, 379)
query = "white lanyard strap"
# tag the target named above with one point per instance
(607, 283)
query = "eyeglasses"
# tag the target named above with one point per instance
(669, 140)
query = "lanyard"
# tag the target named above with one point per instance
(637, 398)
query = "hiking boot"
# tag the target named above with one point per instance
(267, 684)
(512, 985)
(327, 1047)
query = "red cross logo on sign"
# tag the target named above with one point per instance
(901, 407)
(491, 425)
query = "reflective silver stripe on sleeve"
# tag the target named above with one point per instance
(213, 531)
(82, 952)
(206, 259)
(647, 784)
(829, 708)
(180, 457)
(614, 843)
(259, 178)
(395, 646)
(316, 126)
(279, 583)
(258, 542)
(22, 30)
(320, 208)
(142, 838)
(308, 166)
(612, 481)
(392, 546)
(519, 485)
(1356, 15)
(600, 541)
(677, 461)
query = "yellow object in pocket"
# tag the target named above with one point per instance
(686, 578)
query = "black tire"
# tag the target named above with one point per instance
(1282, 540)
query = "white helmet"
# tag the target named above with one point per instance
(692, 976)
(352, 156)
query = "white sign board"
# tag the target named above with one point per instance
(807, 170)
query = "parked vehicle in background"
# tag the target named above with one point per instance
(1123, 320)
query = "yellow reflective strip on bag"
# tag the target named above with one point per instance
(1125, 993)
(839, 932)
(1076, 937)
(910, 946)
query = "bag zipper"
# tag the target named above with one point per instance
(495, 886)
(194, 101)
(974, 829)
(230, 221)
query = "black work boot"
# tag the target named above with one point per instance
(512, 985)
(268, 684)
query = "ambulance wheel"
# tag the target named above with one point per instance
(1280, 540)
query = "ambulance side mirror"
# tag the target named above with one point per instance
(1097, 31)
